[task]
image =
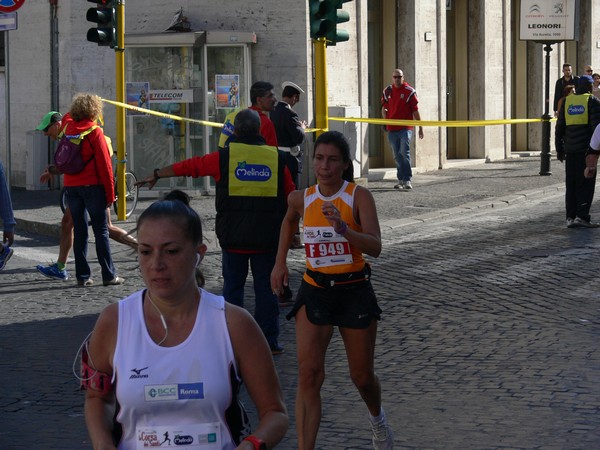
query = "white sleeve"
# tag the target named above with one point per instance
(595, 142)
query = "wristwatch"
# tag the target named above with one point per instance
(156, 177)
(258, 443)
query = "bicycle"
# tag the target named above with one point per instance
(131, 197)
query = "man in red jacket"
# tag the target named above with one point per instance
(263, 101)
(399, 101)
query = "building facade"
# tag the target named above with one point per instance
(464, 57)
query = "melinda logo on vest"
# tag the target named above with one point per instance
(576, 109)
(252, 172)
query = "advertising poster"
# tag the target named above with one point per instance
(228, 91)
(136, 94)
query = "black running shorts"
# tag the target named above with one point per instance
(348, 306)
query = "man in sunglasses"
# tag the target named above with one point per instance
(399, 101)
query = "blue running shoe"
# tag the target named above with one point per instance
(52, 271)
(5, 256)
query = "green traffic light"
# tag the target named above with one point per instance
(320, 18)
(324, 17)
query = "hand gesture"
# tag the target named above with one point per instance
(150, 180)
(589, 172)
(334, 217)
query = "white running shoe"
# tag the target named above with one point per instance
(383, 437)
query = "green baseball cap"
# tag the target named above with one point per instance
(49, 119)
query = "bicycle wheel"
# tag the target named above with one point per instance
(131, 198)
(63, 200)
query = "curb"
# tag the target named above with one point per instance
(53, 229)
(34, 227)
(499, 202)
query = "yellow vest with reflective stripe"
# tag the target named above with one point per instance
(576, 109)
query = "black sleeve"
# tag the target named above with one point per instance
(559, 130)
(594, 109)
(294, 128)
(557, 93)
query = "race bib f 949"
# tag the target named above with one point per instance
(325, 248)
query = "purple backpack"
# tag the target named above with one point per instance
(67, 157)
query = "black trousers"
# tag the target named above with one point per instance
(579, 190)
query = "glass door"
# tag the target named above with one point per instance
(166, 80)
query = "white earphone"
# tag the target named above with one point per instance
(198, 259)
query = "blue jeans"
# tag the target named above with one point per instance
(92, 199)
(400, 143)
(235, 272)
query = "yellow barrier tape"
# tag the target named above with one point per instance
(437, 123)
(160, 114)
(424, 123)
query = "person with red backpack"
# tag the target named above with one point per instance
(52, 125)
(92, 189)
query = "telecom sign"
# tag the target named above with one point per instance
(10, 5)
(554, 21)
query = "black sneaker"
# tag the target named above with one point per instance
(5, 256)
(582, 223)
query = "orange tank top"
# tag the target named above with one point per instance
(326, 251)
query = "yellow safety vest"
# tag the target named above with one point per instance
(576, 109)
(253, 170)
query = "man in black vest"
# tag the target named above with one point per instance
(577, 119)
(252, 185)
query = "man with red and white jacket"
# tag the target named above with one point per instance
(399, 101)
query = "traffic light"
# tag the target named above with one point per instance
(105, 16)
(324, 17)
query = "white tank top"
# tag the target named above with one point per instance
(178, 397)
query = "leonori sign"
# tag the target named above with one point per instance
(555, 21)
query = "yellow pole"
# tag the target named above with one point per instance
(120, 83)
(321, 118)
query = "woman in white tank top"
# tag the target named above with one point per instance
(173, 356)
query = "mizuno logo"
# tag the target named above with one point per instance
(137, 373)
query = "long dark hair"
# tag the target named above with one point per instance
(176, 206)
(339, 141)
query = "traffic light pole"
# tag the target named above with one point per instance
(120, 83)
(321, 117)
